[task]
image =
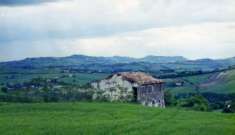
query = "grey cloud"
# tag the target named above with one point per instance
(93, 18)
(79, 19)
(23, 2)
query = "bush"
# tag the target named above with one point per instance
(4, 89)
(196, 102)
(169, 98)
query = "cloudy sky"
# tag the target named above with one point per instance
(190, 28)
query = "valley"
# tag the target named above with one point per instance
(68, 78)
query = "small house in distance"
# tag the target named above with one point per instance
(132, 86)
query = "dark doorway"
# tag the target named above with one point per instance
(153, 102)
(134, 94)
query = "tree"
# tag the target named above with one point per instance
(169, 98)
(196, 102)
(4, 89)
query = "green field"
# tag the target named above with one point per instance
(76, 78)
(109, 118)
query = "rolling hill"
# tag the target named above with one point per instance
(198, 76)
(82, 63)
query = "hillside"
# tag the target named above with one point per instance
(223, 82)
(109, 118)
(218, 82)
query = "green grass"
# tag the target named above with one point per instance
(181, 90)
(198, 78)
(109, 118)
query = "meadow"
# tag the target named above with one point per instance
(109, 119)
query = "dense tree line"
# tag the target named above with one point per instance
(54, 91)
(202, 102)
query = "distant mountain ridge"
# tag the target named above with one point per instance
(83, 59)
(149, 63)
(116, 59)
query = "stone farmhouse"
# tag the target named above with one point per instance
(131, 86)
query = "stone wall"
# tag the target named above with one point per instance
(114, 89)
(151, 95)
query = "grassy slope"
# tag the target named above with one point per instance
(181, 90)
(225, 84)
(109, 118)
(189, 88)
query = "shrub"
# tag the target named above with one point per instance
(196, 102)
(169, 98)
(4, 89)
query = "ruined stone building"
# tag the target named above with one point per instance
(131, 86)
